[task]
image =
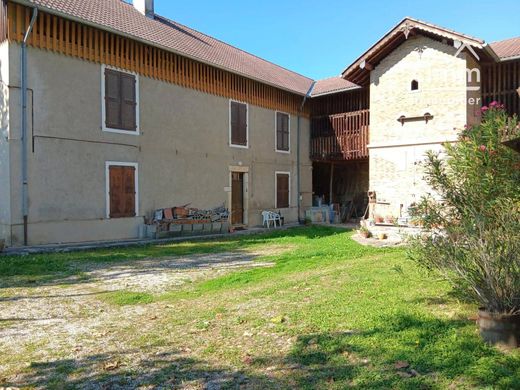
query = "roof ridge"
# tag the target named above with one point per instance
(504, 40)
(330, 78)
(437, 26)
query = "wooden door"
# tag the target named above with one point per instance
(237, 198)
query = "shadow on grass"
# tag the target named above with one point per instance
(170, 370)
(58, 268)
(439, 353)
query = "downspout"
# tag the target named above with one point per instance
(23, 103)
(298, 137)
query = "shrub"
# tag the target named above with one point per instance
(364, 232)
(472, 223)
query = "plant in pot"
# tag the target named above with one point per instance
(364, 232)
(379, 219)
(472, 227)
(390, 219)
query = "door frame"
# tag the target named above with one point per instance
(245, 171)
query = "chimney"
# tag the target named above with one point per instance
(145, 7)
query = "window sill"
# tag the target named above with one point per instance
(239, 146)
(283, 151)
(119, 131)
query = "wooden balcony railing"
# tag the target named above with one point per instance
(340, 137)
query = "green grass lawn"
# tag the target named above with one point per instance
(329, 313)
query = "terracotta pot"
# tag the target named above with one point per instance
(365, 234)
(499, 329)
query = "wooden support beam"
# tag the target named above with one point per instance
(366, 65)
(331, 183)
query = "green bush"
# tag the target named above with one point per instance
(472, 221)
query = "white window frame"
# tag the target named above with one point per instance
(246, 146)
(276, 133)
(109, 164)
(276, 173)
(103, 103)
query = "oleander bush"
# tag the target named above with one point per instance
(472, 219)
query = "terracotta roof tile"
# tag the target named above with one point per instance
(331, 85)
(118, 16)
(507, 48)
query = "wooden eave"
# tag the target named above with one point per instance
(359, 71)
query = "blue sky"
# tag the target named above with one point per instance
(319, 38)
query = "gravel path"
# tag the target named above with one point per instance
(47, 320)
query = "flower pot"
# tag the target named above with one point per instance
(382, 236)
(499, 329)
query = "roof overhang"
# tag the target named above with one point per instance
(359, 71)
(335, 91)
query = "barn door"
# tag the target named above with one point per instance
(237, 198)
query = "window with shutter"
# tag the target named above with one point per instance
(282, 132)
(238, 125)
(120, 101)
(282, 190)
(122, 191)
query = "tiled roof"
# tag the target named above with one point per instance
(118, 16)
(331, 85)
(507, 49)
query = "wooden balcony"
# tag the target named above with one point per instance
(340, 137)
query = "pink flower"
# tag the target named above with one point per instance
(493, 104)
(482, 148)
(484, 108)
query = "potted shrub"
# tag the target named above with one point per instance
(472, 236)
(382, 236)
(364, 232)
(390, 219)
(379, 219)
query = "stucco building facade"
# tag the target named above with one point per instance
(181, 147)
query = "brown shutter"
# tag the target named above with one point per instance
(122, 191)
(285, 131)
(242, 124)
(128, 102)
(279, 133)
(238, 123)
(129, 195)
(282, 131)
(234, 123)
(116, 191)
(112, 99)
(282, 190)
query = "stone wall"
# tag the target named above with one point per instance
(398, 149)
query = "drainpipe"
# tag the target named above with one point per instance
(298, 136)
(23, 103)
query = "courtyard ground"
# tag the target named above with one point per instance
(303, 308)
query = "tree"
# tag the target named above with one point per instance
(472, 224)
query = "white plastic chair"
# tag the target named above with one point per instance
(269, 216)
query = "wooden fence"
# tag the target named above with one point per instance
(340, 137)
